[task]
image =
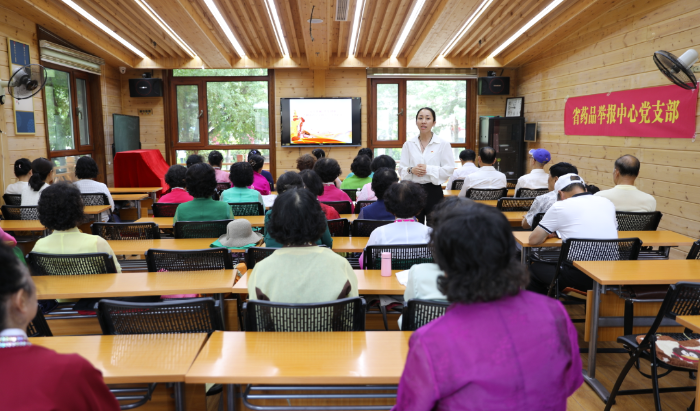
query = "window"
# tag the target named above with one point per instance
(222, 109)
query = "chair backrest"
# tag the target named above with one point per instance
(536, 219)
(511, 182)
(694, 253)
(94, 199)
(222, 186)
(126, 231)
(200, 229)
(39, 327)
(363, 228)
(254, 208)
(196, 315)
(164, 209)
(417, 313)
(341, 315)
(70, 264)
(11, 212)
(531, 192)
(339, 227)
(12, 199)
(515, 204)
(583, 249)
(403, 256)
(351, 192)
(456, 185)
(188, 260)
(627, 221)
(254, 255)
(362, 204)
(486, 193)
(342, 207)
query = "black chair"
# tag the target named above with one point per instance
(12, 199)
(536, 219)
(95, 199)
(486, 194)
(126, 231)
(363, 228)
(339, 227)
(403, 256)
(254, 208)
(511, 182)
(188, 260)
(39, 327)
(531, 192)
(362, 204)
(456, 185)
(164, 209)
(681, 299)
(20, 212)
(649, 221)
(200, 229)
(417, 313)
(254, 255)
(347, 314)
(352, 193)
(514, 203)
(342, 207)
(70, 264)
(222, 186)
(694, 253)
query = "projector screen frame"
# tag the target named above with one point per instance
(285, 132)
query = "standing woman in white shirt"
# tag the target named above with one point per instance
(427, 160)
(42, 176)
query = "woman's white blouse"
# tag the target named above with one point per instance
(437, 157)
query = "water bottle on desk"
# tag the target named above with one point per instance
(386, 264)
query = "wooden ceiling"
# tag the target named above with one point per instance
(326, 46)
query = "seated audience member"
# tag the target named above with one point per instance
(7, 239)
(361, 174)
(288, 181)
(466, 157)
(543, 202)
(42, 177)
(537, 178)
(194, 159)
(300, 272)
(592, 189)
(216, 160)
(23, 171)
(175, 178)
(260, 183)
(577, 214)
(61, 210)
(366, 194)
(483, 280)
(241, 177)
(313, 183)
(382, 180)
(329, 170)
(86, 171)
(201, 184)
(363, 152)
(306, 162)
(265, 173)
(487, 177)
(625, 195)
(68, 381)
(319, 154)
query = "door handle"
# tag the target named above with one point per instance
(400, 112)
(201, 113)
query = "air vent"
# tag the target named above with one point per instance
(341, 10)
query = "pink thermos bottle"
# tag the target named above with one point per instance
(386, 264)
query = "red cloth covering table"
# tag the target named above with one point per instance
(140, 168)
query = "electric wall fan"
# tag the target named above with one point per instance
(678, 69)
(25, 82)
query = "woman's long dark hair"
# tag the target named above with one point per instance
(41, 168)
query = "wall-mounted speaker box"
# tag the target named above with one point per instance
(145, 87)
(493, 86)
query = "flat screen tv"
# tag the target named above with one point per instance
(321, 121)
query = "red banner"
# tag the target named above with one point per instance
(668, 111)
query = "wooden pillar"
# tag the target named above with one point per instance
(319, 83)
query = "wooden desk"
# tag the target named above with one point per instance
(255, 220)
(131, 197)
(369, 282)
(649, 238)
(96, 210)
(21, 225)
(133, 247)
(349, 244)
(136, 190)
(515, 218)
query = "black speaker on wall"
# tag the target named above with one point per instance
(493, 86)
(145, 87)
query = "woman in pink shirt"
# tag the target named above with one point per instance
(175, 178)
(216, 160)
(329, 170)
(260, 183)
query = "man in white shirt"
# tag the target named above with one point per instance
(543, 202)
(577, 214)
(487, 177)
(625, 195)
(537, 178)
(467, 158)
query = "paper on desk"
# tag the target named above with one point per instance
(269, 200)
(402, 276)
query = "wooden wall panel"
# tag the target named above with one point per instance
(152, 126)
(612, 53)
(110, 82)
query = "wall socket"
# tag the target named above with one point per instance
(145, 112)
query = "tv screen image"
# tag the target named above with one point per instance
(321, 121)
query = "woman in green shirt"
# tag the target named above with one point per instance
(362, 173)
(201, 184)
(241, 177)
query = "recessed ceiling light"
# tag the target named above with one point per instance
(407, 28)
(224, 26)
(277, 26)
(165, 27)
(526, 27)
(356, 23)
(470, 22)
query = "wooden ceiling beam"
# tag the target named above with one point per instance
(287, 20)
(266, 29)
(254, 35)
(390, 10)
(396, 22)
(377, 18)
(316, 50)
(494, 19)
(245, 37)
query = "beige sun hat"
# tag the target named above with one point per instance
(239, 233)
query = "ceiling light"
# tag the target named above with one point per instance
(470, 22)
(356, 22)
(104, 28)
(407, 29)
(526, 27)
(272, 12)
(224, 26)
(165, 27)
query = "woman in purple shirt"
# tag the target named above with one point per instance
(498, 347)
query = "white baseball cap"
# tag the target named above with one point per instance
(566, 180)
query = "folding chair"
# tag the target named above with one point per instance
(342, 207)
(531, 192)
(515, 203)
(417, 313)
(486, 194)
(200, 229)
